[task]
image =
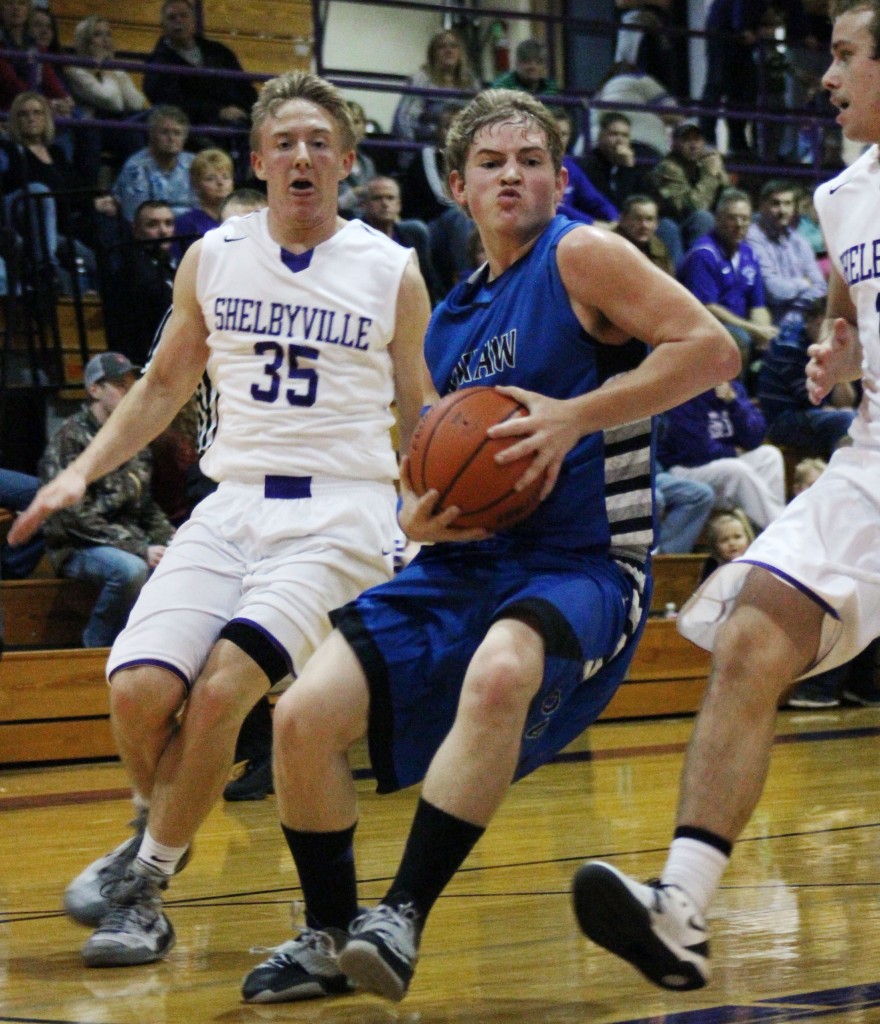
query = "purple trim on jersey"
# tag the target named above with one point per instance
(297, 261)
(287, 487)
(269, 638)
(823, 604)
(157, 663)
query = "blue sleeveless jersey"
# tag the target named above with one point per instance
(520, 330)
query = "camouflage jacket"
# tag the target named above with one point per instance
(118, 510)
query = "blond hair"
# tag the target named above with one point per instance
(302, 85)
(719, 519)
(207, 160)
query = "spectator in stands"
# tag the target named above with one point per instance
(807, 224)
(611, 164)
(792, 419)
(137, 291)
(581, 200)
(211, 176)
(222, 100)
(382, 212)
(625, 84)
(44, 29)
(423, 183)
(728, 535)
(687, 182)
(529, 73)
(417, 116)
(724, 274)
(638, 223)
(241, 202)
(43, 195)
(363, 170)
(161, 169)
(24, 72)
(104, 93)
(716, 438)
(731, 75)
(791, 275)
(448, 237)
(806, 473)
(116, 534)
(682, 508)
(643, 41)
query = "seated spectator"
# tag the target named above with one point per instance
(791, 275)
(688, 182)
(682, 508)
(161, 169)
(363, 170)
(116, 534)
(423, 183)
(45, 198)
(221, 100)
(137, 286)
(103, 93)
(638, 223)
(211, 176)
(581, 200)
(723, 273)
(417, 116)
(806, 473)
(611, 164)
(529, 73)
(728, 536)
(241, 202)
(44, 29)
(26, 73)
(781, 390)
(807, 224)
(716, 438)
(448, 237)
(382, 212)
(625, 84)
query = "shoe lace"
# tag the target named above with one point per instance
(395, 926)
(136, 899)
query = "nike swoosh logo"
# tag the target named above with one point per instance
(695, 925)
(240, 239)
(831, 191)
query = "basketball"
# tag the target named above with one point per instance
(451, 453)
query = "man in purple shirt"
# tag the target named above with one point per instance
(792, 278)
(722, 271)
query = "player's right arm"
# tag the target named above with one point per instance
(145, 411)
(837, 355)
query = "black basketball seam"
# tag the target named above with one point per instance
(473, 456)
(429, 436)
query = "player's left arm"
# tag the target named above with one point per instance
(617, 294)
(412, 382)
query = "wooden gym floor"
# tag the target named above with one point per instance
(796, 927)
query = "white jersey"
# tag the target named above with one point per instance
(849, 211)
(299, 352)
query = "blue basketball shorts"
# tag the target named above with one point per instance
(416, 635)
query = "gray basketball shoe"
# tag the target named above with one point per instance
(302, 968)
(382, 949)
(134, 930)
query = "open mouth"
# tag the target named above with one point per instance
(301, 185)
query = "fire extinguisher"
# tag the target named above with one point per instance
(500, 47)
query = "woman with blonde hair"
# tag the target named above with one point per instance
(447, 67)
(104, 93)
(211, 175)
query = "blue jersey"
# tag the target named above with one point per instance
(520, 330)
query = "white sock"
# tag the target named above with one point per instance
(158, 856)
(695, 867)
(140, 803)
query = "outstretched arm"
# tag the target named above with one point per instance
(144, 412)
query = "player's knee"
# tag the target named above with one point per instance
(145, 695)
(498, 685)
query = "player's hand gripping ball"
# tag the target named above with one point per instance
(451, 453)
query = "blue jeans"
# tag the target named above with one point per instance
(120, 577)
(17, 491)
(684, 507)
(821, 429)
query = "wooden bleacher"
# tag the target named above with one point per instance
(264, 34)
(54, 703)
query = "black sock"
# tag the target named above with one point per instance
(437, 846)
(325, 864)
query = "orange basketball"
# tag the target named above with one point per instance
(450, 452)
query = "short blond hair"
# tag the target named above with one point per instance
(207, 160)
(302, 85)
(718, 519)
(496, 106)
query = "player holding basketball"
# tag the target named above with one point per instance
(309, 326)
(808, 587)
(487, 655)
